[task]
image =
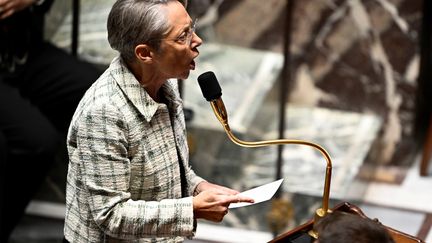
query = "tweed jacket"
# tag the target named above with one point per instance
(123, 182)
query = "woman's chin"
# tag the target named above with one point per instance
(185, 75)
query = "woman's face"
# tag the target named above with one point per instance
(178, 49)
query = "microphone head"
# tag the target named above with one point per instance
(209, 86)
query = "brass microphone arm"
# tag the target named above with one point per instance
(220, 112)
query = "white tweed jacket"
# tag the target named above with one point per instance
(123, 182)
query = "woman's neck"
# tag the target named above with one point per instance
(149, 80)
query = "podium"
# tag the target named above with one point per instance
(300, 233)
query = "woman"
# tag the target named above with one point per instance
(129, 178)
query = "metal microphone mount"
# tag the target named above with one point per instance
(221, 114)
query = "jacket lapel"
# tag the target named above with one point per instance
(132, 89)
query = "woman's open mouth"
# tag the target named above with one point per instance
(192, 65)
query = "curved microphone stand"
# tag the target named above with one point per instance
(212, 92)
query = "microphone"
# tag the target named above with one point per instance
(212, 92)
(209, 86)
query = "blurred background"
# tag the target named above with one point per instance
(351, 75)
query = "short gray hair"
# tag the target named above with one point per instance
(134, 22)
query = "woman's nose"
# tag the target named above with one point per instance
(196, 40)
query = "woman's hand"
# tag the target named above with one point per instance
(9, 7)
(205, 186)
(212, 201)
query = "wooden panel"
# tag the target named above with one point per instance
(398, 236)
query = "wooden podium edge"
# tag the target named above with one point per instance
(398, 236)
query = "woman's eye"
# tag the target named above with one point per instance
(182, 37)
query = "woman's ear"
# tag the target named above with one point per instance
(143, 53)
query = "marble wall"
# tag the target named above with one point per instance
(353, 55)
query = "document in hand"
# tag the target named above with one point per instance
(259, 194)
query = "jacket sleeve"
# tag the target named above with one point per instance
(101, 149)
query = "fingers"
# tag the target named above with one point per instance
(6, 9)
(9, 7)
(208, 199)
(213, 205)
(6, 14)
(203, 186)
(214, 213)
(220, 214)
(5, 5)
(213, 198)
(228, 191)
(245, 199)
(238, 199)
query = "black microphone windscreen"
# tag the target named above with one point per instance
(209, 86)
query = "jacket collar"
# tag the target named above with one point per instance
(138, 95)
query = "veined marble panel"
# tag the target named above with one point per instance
(353, 55)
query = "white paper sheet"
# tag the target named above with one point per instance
(259, 194)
